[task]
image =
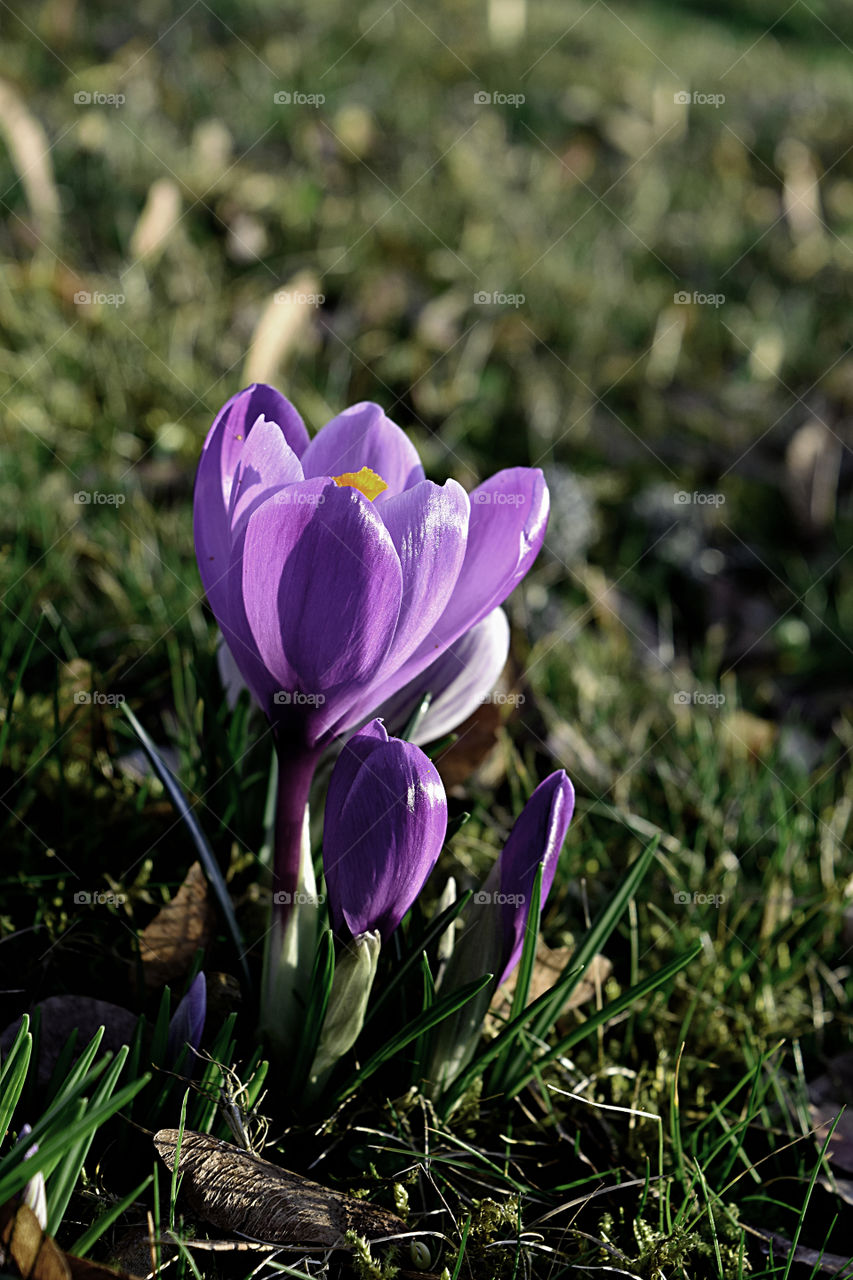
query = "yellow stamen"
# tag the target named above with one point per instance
(365, 480)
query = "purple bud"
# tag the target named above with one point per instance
(386, 818)
(536, 838)
(187, 1023)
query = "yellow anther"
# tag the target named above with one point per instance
(365, 480)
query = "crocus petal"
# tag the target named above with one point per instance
(459, 681)
(234, 422)
(348, 764)
(34, 1193)
(359, 437)
(537, 837)
(321, 584)
(266, 464)
(385, 823)
(219, 462)
(428, 525)
(187, 1025)
(509, 515)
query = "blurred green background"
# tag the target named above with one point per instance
(656, 206)
(600, 200)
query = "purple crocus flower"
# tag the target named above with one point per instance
(187, 1024)
(493, 935)
(535, 840)
(385, 823)
(338, 574)
(459, 681)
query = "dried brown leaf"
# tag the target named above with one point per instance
(36, 1256)
(547, 968)
(237, 1191)
(169, 943)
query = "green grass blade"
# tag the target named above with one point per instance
(173, 1196)
(602, 1016)
(463, 1242)
(15, 1173)
(525, 971)
(7, 719)
(442, 1009)
(14, 1074)
(502, 1043)
(434, 930)
(215, 878)
(427, 1002)
(598, 934)
(92, 1235)
(213, 1079)
(417, 716)
(160, 1035)
(318, 1002)
(60, 1183)
(65, 1177)
(63, 1064)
